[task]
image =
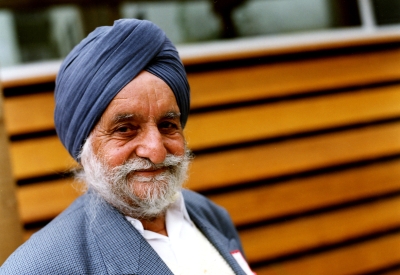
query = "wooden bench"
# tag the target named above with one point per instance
(303, 150)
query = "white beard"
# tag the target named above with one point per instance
(118, 185)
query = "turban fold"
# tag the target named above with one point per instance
(101, 65)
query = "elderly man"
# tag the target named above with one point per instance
(122, 101)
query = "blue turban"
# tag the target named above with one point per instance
(101, 65)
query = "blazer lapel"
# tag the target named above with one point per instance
(123, 248)
(224, 245)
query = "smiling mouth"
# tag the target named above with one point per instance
(149, 171)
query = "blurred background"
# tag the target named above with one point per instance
(41, 30)
(295, 122)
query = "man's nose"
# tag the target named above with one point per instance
(151, 145)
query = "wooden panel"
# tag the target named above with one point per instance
(254, 163)
(35, 113)
(28, 77)
(223, 52)
(47, 156)
(38, 157)
(29, 232)
(262, 121)
(29, 113)
(271, 201)
(393, 272)
(10, 226)
(214, 87)
(357, 259)
(44, 201)
(325, 229)
(269, 46)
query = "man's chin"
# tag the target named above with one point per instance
(148, 214)
(145, 190)
(145, 202)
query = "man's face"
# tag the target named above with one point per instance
(141, 123)
(143, 120)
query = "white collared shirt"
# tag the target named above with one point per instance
(185, 250)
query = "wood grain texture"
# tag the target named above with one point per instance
(306, 233)
(29, 113)
(44, 201)
(357, 259)
(292, 156)
(287, 117)
(40, 157)
(33, 113)
(272, 201)
(10, 224)
(292, 77)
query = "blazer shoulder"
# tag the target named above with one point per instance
(58, 248)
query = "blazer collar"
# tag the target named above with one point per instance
(224, 245)
(123, 248)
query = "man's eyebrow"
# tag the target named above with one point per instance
(123, 117)
(172, 115)
(129, 116)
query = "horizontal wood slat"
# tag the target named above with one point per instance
(44, 201)
(287, 117)
(44, 156)
(45, 72)
(29, 113)
(293, 77)
(234, 85)
(357, 259)
(35, 113)
(29, 76)
(306, 194)
(267, 242)
(38, 157)
(255, 163)
(293, 44)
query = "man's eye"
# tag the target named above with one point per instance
(124, 129)
(168, 126)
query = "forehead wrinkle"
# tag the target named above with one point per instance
(158, 95)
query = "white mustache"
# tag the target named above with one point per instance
(143, 164)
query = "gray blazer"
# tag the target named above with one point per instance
(94, 238)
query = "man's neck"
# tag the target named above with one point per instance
(157, 225)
